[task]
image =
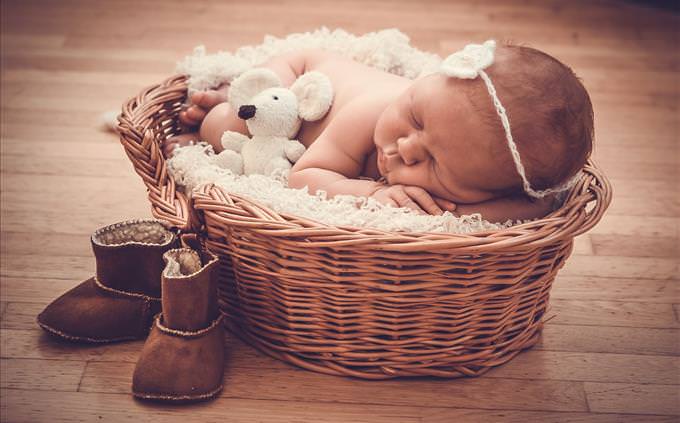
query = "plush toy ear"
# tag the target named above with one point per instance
(314, 93)
(249, 84)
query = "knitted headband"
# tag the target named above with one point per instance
(470, 63)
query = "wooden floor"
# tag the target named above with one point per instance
(610, 354)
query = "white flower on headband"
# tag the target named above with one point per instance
(467, 62)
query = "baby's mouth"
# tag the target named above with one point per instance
(386, 159)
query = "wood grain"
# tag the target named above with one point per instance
(609, 352)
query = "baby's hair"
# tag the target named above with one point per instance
(549, 111)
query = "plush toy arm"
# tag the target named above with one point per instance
(294, 150)
(233, 141)
(230, 160)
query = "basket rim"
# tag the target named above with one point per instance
(567, 221)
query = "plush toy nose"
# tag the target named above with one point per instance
(247, 111)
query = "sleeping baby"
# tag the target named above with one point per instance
(497, 131)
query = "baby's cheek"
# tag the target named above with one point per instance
(410, 175)
(386, 128)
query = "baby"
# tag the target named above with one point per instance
(498, 138)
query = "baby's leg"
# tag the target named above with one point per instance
(201, 103)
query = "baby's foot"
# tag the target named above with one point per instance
(169, 145)
(202, 103)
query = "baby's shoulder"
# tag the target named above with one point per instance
(317, 55)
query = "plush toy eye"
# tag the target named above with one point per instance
(275, 97)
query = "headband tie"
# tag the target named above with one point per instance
(469, 63)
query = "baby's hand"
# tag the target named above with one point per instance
(415, 198)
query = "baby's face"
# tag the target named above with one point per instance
(431, 137)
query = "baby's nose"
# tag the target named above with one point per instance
(410, 152)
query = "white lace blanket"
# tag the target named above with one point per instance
(388, 50)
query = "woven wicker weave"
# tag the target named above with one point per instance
(364, 302)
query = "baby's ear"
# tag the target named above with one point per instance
(250, 83)
(314, 93)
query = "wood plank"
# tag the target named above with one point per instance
(583, 245)
(648, 203)
(638, 171)
(485, 416)
(83, 219)
(34, 290)
(42, 165)
(635, 246)
(608, 339)
(79, 268)
(615, 289)
(621, 267)
(612, 313)
(103, 146)
(109, 97)
(83, 122)
(295, 385)
(55, 244)
(592, 367)
(21, 406)
(86, 131)
(22, 315)
(637, 226)
(640, 154)
(33, 41)
(41, 375)
(633, 398)
(36, 344)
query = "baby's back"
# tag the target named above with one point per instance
(350, 79)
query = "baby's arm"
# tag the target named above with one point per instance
(517, 207)
(337, 157)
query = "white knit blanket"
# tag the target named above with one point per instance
(388, 50)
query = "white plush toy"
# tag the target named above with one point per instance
(273, 115)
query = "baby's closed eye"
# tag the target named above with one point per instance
(414, 120)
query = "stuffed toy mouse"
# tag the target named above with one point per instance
(273, 115)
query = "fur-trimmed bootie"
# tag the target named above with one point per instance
(119, 302)
(183, 357)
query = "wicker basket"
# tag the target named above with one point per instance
(363, 302)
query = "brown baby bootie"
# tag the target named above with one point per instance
(183, 357)
(119, 302)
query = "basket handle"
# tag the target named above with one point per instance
(140, 118)
(600, 191)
